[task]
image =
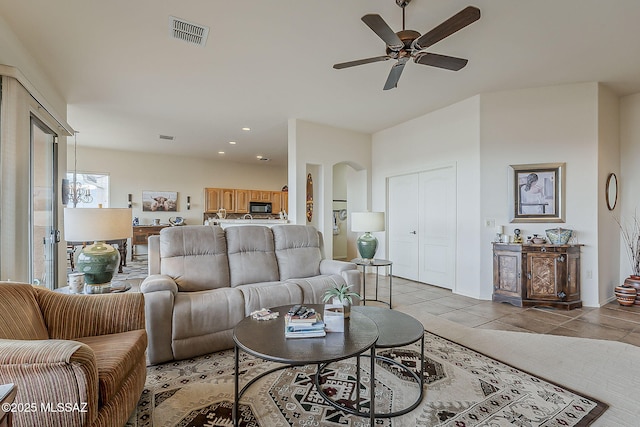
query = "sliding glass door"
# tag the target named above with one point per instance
(44, 201)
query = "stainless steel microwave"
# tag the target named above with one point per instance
(259, 207)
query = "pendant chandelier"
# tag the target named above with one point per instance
(78, 192)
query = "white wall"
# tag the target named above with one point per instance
(485, 134)
(322, 146)
(629, 177)
(339, 193)
(13, 53)
(446, 136)
(543, 125)
(608, 162)
(132, 172)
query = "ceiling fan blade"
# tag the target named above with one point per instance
(441, 61)
(457, 22)
(394, 74)
(380, 27)
(360, 62)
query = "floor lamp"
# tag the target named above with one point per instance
(367, 222)
(100, 260)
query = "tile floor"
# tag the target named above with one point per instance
(610, 322)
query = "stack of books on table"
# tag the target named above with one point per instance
(308, 326)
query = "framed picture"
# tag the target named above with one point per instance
(159, 201)
(538, 192)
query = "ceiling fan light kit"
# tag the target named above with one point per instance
(407, 44)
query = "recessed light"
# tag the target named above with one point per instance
(258, 157)
(220, 152)
(232, 142)
(246, 129)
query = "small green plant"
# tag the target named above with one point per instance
(341, 293)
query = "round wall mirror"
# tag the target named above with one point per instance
(612, 191)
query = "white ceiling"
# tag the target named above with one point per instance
(127, 82)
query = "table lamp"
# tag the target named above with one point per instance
(367, 222)
(98, 261)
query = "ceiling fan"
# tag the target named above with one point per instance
(407, 44)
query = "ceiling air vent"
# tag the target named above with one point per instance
(167, 137)
(188, 31)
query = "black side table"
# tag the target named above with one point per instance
(7, 396)
(377, 263)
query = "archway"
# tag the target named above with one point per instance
(349, 195)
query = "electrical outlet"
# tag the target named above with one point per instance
(490, 223)
(589, 274)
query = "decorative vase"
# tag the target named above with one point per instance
(634, 282)
(346, 304)
(559, 236)
(98, 262)
(367, 245)
(625, 295)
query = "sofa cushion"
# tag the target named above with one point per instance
(297, 250)
(26, 321)
(199, 317)
(270, 294)
(314, 288)
(195, 256)
(252, 257)
(116, 357)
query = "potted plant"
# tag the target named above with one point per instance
(631, 236)
(341, 295)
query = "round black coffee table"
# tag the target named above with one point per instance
(265, 339)
(395, 329)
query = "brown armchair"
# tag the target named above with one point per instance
(77, 360)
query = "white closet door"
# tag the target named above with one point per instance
(403, 225)
(437, 232)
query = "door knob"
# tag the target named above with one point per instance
(412, 232)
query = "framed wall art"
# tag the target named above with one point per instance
(159, 201)
(538, 192)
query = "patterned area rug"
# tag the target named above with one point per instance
(462, 388)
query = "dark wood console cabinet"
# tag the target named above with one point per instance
(141, 234)
(537, 275)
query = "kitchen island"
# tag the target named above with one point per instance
(257, 221)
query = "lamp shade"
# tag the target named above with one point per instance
(95, 224)
(367, 221)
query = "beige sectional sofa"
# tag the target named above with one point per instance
(203, 280)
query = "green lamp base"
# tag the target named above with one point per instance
(367, 245)
(98, 262)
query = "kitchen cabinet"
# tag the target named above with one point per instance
(242, 201)
(212, 197)
(237, 200)
(537, 275)
(219, 198)
(276, 202)
(280, 201)
(260, 196)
